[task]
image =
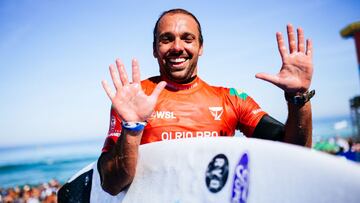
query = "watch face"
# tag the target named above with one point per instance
(299, 100)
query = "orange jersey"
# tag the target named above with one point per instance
(193, 110)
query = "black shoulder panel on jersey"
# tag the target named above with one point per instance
(269, 128)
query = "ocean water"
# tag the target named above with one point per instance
(39, 163)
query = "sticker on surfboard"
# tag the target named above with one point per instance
(217, 173)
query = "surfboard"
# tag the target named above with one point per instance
(226, 169)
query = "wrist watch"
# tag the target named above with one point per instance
(299, 99)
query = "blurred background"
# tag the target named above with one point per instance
(54, 113)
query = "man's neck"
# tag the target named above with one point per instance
(184, 85)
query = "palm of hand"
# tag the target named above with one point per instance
(296, 72)
(297, 68)
(132, 104)
(130, 101)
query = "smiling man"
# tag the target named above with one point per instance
(177, 47)
(178, 104)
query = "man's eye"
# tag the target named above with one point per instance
(189, 39)
(165, 40)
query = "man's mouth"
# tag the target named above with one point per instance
(177, 63)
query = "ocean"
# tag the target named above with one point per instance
(40, 163)
(37, 164)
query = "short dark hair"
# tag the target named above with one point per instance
(175, 11)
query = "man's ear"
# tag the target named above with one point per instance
(154, 49)
(201, 50)
(155, 53)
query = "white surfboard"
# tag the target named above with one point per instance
(226, 169)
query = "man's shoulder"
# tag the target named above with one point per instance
(229, 91)
(219, 89)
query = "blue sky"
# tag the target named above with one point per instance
(54, 54)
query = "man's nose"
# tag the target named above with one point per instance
(177, 46)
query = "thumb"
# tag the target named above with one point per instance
(158, 89)
(274, 79)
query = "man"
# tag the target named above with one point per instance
(178, 104)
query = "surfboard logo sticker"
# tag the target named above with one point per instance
(217, 173)
(240, 189)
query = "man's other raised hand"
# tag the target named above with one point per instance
(129, 100)
(297, 67)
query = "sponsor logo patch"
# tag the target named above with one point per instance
(114, 134)
(239, 93)
(240, 189)
(112, 123)
(216, 111)
(163, 115)
(217, 173)
(256, 111)
(187, 134)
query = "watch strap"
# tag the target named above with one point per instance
(299, 99)
(133, 126)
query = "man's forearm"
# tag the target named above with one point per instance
(118, 166)
(298, 127)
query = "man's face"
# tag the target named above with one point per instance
(177, 47)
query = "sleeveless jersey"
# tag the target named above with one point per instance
(193, 110)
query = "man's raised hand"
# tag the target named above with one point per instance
(297, 67)
(129, 100)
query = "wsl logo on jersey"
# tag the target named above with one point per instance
(240, 189)
(216, 112)
(163, 115)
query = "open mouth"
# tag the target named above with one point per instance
(177, 63)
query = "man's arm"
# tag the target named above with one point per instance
(296, 131)
(295, 78)
(117, 166)
(298, 127)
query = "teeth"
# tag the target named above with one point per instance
(177, 60)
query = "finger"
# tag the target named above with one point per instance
(122, 72)
(301, 41)
(158, 89)
(281, 44)
(115, 77)
(291, 38)
(309, 48)
(107, 89)
(269, 78)
(135, 71)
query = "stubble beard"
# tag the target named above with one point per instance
(181, 78)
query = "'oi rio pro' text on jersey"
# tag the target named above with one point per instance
(193, 110)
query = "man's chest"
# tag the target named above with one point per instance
(193, 116)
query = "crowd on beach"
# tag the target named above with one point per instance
(340, 146)
(45, 193)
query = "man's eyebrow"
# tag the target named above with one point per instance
(183, 34)
(165, 33)
(188, 33)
